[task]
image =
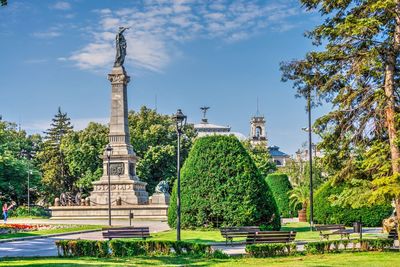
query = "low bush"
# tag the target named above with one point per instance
(271, 250)
(128, 247)
(219, 254)
(334, 246)
(280, 186)
(82, 248)
(22, 211)
(325, 213)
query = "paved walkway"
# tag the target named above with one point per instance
(46, 246)
(155, 226)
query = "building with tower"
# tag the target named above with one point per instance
(258, 136)
(204, 128)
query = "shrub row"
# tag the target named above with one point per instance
(322, 247)
(333, 246)
(280, 186)
(271, 250)
(23, 211)
(325, 213)
(121, 248)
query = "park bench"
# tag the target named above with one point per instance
(231, 232)
(126, 232)
(393, 234)
(271, 237)
(332, 229)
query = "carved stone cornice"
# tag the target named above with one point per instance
(119, 78)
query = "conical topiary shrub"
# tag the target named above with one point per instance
(280, 188)
(221, 186)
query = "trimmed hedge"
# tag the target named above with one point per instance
(127, 247)
(271, 250)
(82, 248)
(322, 247)
(325, 213)
(221, 186)
(280, 186)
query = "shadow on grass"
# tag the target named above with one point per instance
(297, 229)
(132, 261)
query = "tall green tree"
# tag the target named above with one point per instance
(83, 150)
(14, 166)
(355, 69)
(261, 157)
(56, 174)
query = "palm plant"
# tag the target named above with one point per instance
(300, 195)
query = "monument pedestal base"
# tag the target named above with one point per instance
(160, 199)
(144, 212)
(123, 192)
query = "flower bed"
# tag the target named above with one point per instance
(11, 228)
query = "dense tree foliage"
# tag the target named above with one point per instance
(327, 213)
(299, 172)
(154, 139)
(83, 150)
(68, 160)
(280, 188)
(357, 72)
(221, 185)
(56, 175)
(261, 157)
(17, 151)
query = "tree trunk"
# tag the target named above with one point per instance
(391, 101)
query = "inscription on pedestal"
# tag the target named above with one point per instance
(117, 168)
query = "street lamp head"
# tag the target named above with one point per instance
(108, 151)
(180, 120)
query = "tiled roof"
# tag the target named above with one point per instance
(275, 152)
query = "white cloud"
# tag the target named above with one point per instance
(157, 25)
(61, 6)
(46, 34)
(94, 55)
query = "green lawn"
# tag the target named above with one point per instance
(206, 236)
(71, 228)
(365, 259)
(198, 236)
(304, 233)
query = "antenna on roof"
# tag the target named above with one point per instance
(204, 110)
(258, 110)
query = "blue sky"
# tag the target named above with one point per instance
(186, 53)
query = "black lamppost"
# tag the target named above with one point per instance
(180, 120)
(310, 159)
(108, 153)
(26, 155)
(29, 193)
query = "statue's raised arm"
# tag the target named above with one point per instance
(120, 44)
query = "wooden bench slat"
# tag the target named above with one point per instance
(126, 232)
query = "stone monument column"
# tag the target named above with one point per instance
(125, 185)
(126, 188)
